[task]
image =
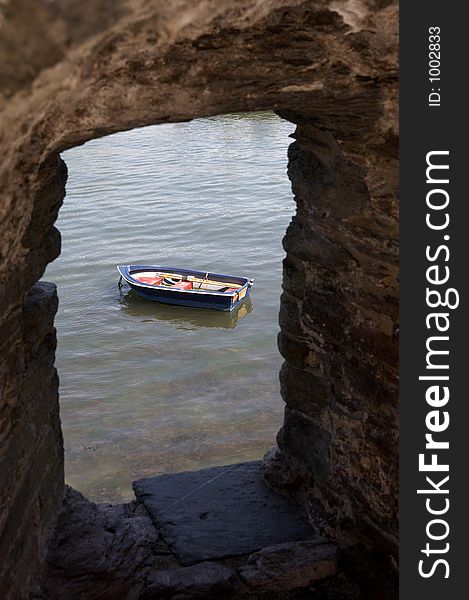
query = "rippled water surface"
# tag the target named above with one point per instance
(148, 388)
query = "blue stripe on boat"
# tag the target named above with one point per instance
(194, 298)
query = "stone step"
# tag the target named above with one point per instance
(220, 512)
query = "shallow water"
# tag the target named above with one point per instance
(147, 388)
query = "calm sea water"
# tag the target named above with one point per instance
(148, 388)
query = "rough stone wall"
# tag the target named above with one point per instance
(73, 71)
(339, 331)
(31, 475)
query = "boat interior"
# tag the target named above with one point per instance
(185, 282)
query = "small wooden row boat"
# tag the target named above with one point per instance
(186, 287)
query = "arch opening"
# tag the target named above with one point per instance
(147, 388)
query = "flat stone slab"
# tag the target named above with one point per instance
(219, 512)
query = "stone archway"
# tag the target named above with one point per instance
(329, 67)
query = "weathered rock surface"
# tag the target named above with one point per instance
(282, 473)
(204, 580)
(71, 71)
(290, 566)
(99, 551)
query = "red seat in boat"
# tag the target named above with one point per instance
(183, 285)
(150, 280)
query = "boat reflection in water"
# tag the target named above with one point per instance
(181, 316)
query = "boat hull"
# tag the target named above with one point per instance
(193, 298)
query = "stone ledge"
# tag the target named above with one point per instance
(220, 512)
(119, 551)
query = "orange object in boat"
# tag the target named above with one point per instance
(149, 280)
(231, 290)
(184, 285)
